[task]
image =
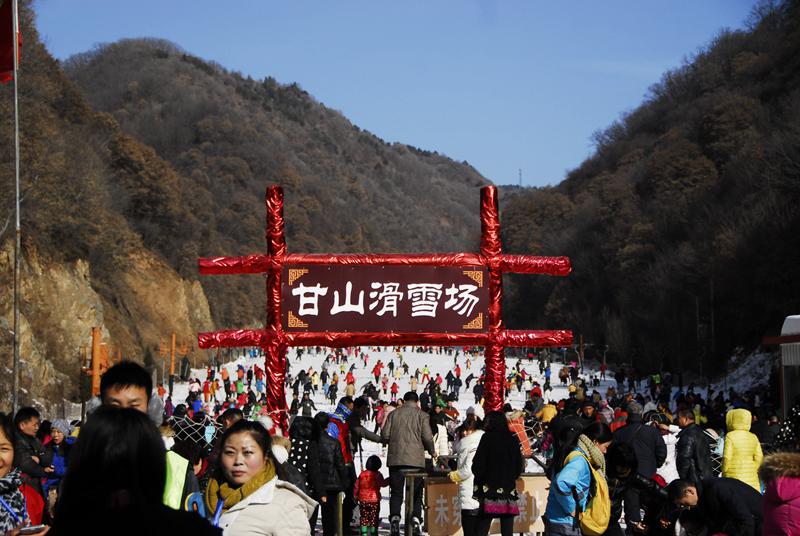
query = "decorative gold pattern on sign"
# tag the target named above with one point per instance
(295, 322)
(476, 323)
(295, 274)
(475, 275)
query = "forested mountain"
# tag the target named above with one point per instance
(228, 137)
(148, 158)
(138, 157)
(684, 226)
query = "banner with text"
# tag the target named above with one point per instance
(410, 299)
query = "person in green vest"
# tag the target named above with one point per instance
(129, 385)
(183, 464)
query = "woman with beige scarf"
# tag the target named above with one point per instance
(246, 497)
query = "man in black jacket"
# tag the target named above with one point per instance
(692, 453)
(727, 505)
(650, 449)
(29, 455)
(357, 430)
(334, 476)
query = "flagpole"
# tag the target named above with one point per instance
(17, 232)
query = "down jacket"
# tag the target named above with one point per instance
(368, 486)
(408, 432)
(333, 471)
(742, 455)
(466, 453)
(275, 509)
(781, 506)
(305, 455)
(651, 451)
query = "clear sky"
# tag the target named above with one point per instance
(502, 84)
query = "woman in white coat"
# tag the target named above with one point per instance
(470, 433)
(246, 496)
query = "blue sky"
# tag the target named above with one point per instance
(504, 85)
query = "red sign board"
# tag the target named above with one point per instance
(374, 298)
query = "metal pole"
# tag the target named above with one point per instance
(17, 232)
(96, 361)
(172, 363)
(409, 498)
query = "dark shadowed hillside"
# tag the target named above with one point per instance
(684, 226)
(228, 137)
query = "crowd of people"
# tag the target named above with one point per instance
(646, 456)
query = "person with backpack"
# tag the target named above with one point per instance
(651, 452)
(579, 502)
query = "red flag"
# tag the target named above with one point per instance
(7, 41)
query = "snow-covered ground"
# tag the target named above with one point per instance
(743, 373)
(437, 363)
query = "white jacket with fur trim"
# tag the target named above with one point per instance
(275, 509)
(466, 449)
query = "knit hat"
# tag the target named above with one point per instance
(634, 408)
(62, 425)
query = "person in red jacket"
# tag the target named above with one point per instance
(368, 493)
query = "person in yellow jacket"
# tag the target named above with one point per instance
(742, 455)
(547, 413)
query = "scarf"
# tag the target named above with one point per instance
(232, 496)
(596, 457)
(11, 494)
(341, 413)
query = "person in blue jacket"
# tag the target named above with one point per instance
(573, 481)
(60, 446)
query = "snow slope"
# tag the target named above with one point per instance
(437, 363)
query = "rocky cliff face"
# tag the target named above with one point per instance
(59, 307)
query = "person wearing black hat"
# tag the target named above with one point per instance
(589, 413)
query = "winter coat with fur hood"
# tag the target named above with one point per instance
(465, 450)
(781, 475)
(742, 455)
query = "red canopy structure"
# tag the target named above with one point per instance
(274, 339)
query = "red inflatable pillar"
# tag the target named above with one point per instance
(275, 349)
(494, 386)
